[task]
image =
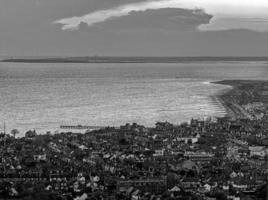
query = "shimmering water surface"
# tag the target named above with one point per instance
(45, 96)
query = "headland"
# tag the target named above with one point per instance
(244, 99)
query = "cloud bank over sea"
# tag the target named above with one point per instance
(227, 14)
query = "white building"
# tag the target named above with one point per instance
(257, 151)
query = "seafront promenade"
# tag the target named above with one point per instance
(243, 92)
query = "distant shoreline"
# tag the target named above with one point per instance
(229, 98)
(222, 97)
(132, 59)
(219, 100)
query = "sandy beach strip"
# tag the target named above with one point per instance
(233, 110)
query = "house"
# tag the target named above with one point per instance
(153, 185)
(30, 134)
(190, 165)
(159, 153)
(191, 184)
(198, 157)
(188, 140)
(257, 151)
(40, 157)
(231, 197)
(135, 195)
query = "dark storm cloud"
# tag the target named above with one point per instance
(166, 18)
(225, 13)
(26, 29)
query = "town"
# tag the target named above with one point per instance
(213, 158)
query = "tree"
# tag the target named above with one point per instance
(14, 132)
(220, 195)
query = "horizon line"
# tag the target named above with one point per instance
(131, 59)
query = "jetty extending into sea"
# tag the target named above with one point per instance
(81, 127)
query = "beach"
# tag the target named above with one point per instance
(240, 93)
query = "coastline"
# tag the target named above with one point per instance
(218, 98)
(224, 97)
(125, 59)
(241, 92)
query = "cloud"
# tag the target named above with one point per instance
(229, 22)
(103, 15)
(163, 19)
(227, 9)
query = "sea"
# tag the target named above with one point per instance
(43, 96)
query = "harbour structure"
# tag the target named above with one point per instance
(81, 127)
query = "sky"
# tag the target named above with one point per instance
(133, 28)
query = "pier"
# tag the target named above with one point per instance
(80, 127)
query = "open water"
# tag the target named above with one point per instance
(45, 96)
